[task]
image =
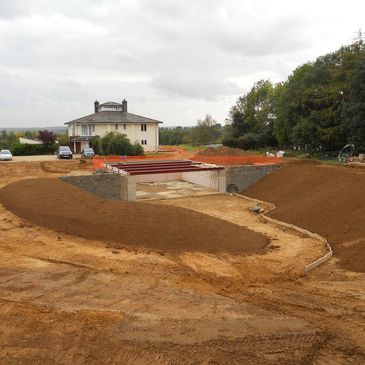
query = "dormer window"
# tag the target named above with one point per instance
(110, 106)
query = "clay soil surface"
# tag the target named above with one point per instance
(327, 200)
(66, 299)
(64, 208)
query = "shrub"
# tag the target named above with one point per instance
(231, 142)
(137, 150)
(116, 144)
(19, 149)
(47, 137)
(250, 141)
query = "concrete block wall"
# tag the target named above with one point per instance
(106, 186)
(245, 176)
(209, 179)
(158, 177)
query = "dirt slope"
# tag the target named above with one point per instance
(62, 207)
(328, 200)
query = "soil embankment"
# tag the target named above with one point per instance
(327, 200)
(59, 206)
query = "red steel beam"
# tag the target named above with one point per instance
(146, 165)
(172, 170)
(128, 168)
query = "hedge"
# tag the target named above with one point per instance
(20, 149)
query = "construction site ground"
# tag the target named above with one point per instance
(66, 299)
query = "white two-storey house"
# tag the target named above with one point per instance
(113, 117)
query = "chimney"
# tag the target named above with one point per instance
(96, 106)
(124, 106)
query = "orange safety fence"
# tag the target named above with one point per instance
(98, 161)
(237, 160)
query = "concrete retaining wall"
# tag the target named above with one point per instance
(245, 176)
(108, 186)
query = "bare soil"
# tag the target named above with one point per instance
(327, 200)
(65, 299)
(64, 208)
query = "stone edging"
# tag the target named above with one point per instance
(313, 264)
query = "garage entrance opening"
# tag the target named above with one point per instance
(170, 179)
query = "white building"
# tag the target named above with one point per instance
(113, 117)
(24, 140)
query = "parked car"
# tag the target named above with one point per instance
(87, 152)
(5, 155)
(64, 152)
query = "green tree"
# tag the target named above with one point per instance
(7, 139)
(174, 136)
(206, 131)
(30, 134)
(62, 139)
(254, 113)
(354, 107)
(310, 103)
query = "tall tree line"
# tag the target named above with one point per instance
(206, 131)
(320, 106)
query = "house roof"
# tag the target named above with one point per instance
(80, 138)
(113, 117)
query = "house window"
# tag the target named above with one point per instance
(143, 127)
(84, 130)
(116, 127)
(144, 141)
(93, 127)
(73, 130)
(124, 126)
(89, 134)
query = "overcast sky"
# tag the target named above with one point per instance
(173, 60)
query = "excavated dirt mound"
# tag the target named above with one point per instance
(221, 151)
(57, 205)
(231, 156)
(327, 200)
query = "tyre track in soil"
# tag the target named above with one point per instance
(339, 339)
(341, 329)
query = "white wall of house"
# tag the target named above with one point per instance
(147, 135)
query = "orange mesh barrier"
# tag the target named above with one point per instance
(237, 160)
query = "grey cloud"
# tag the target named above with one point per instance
(57, 56)
(200, 87)
(273, 36)
(11, 9)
